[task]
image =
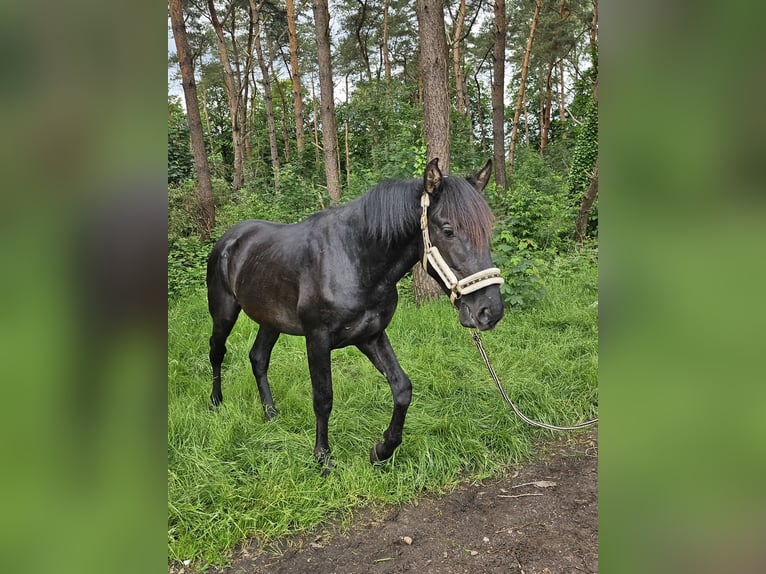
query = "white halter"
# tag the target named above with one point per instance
(431, 254)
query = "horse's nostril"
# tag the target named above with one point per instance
(483, 315)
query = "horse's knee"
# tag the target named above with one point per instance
(259, 362)
(402, 392)
(217, 351)
(216, 355)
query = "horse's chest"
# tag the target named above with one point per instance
(366, 324)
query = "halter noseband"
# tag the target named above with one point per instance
(431, 254)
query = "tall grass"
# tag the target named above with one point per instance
(231, 475)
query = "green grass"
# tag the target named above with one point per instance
(231, 475)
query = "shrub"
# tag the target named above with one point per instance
(187, 264)
(521, 267)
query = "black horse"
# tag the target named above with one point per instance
(332, 278)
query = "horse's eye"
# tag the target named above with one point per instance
(448, 231)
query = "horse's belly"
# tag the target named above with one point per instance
(275, 316)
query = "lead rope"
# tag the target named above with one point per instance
(522, 416)
(469, 285)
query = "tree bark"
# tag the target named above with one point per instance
(547, 105)
(498, 96)
(204, 185)
(386, 54)
(461, 96)
(317, 147)
(522, 87)
(433, 72)
(362, 42)
(562, 99)
(581, 226)
(348, 159)
(480, 118)
(232, 89)
(295, 77)
(327, 96)
(268, 101)
(283, 102)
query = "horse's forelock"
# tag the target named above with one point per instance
(465, 207)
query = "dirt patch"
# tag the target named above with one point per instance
(540, 519)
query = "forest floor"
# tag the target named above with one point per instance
(542, 518)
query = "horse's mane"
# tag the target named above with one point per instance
(392, 210)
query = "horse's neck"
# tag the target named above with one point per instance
(392, 262)
(405, 257)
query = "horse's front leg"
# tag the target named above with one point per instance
(318, 350)
(379, 351)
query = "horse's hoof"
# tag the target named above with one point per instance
(324, 460)
(374, 458)
(216, 400)
(270, 413)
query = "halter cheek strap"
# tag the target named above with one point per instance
(457, 287)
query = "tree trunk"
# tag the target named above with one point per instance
(362, 42)
(562, 100)
(386, 54)
(480, 118)
(433, 71)
(295, 77)
(581, 226)
(461, 96)
(282, 99)
(498, 96)
(348, 160)
(232, 90)
(547, 104)
(522, 87)
(315, 115)
(268, 102)
(283, 115)
(326, 89)
(204, 186)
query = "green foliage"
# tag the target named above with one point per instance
(537, 207)
(184, 212)
(385, 129)
(522, 268)
(585, 152)
(180, 161)
(187, 257)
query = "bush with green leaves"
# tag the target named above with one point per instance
(187, 264)
(180, 162)
(537, 207)
(522, 267)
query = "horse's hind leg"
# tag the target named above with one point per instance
(260, 355)
(379, 351)
(224, 310)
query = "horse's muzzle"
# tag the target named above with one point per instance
(481, 310)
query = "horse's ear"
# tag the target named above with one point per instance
(432, 179)
(481, 177)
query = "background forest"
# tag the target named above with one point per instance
(520, 79)
(289, 108)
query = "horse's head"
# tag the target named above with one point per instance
(456, 244)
